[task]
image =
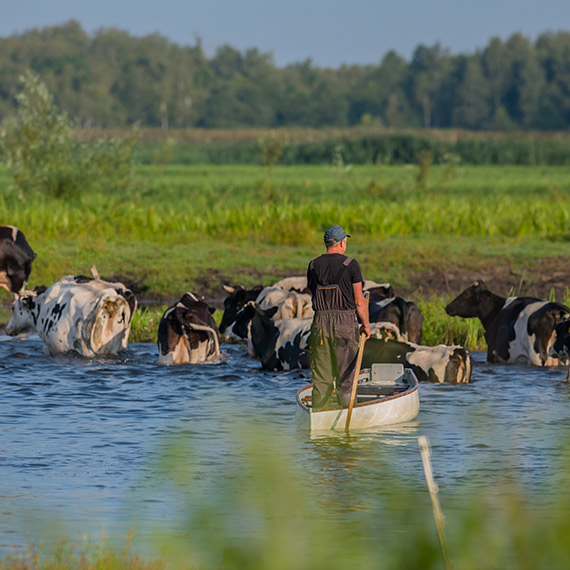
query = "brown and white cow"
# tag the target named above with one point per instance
(290, 304)
(16, 257)
(187, 332)
(91, 317)
(517, 329)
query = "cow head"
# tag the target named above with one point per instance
(16, 257)
(466, 303)
(475, 301)
(379, 291)
(561, 346)
(25, 311)
(237, 299)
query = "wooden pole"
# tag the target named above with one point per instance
(433, 490)
(355, 381)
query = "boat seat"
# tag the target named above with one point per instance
(386, 373)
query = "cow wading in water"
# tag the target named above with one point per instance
(517, 329)
(187, 332)
(16, 257)
(91, 317)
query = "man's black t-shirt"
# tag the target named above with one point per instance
(324, 269)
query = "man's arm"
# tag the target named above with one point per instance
(361, 307)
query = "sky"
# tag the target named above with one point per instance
(329, 32)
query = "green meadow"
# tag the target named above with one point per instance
(196, 227)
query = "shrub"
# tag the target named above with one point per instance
(38, 145)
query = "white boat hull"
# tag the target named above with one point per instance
(386, 410)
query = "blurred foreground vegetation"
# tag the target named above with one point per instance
(259, 511)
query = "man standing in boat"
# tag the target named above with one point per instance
(335, 281)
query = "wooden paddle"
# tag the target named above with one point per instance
(355, 381)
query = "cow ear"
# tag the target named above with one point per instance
(271, 311)
(212, 310)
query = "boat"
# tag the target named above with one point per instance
(386, 394)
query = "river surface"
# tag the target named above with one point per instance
(105, 446)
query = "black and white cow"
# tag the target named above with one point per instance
(76, 314)
(16, 257)
(279, 344)
(452, 364)
(517, 329)
(406, 316)
(187, 332)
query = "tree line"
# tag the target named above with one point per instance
(112, 79)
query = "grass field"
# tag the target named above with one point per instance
(426, 229)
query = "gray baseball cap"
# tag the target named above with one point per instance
(335, 234)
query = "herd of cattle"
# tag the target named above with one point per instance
(91, 316)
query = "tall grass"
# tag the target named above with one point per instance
(291, 218)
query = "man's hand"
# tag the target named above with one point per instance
(366, 330)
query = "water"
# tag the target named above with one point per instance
(82, 441)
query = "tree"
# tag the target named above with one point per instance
(427, 70)
(471, 106)
(494, 65)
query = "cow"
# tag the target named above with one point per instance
(187, 332)
(406, 316)
(290, 304)
(452, 364)
(279, 344)
(284, 345)
(16, 257)
(517, 329)
(91, 317)
(297, 283)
